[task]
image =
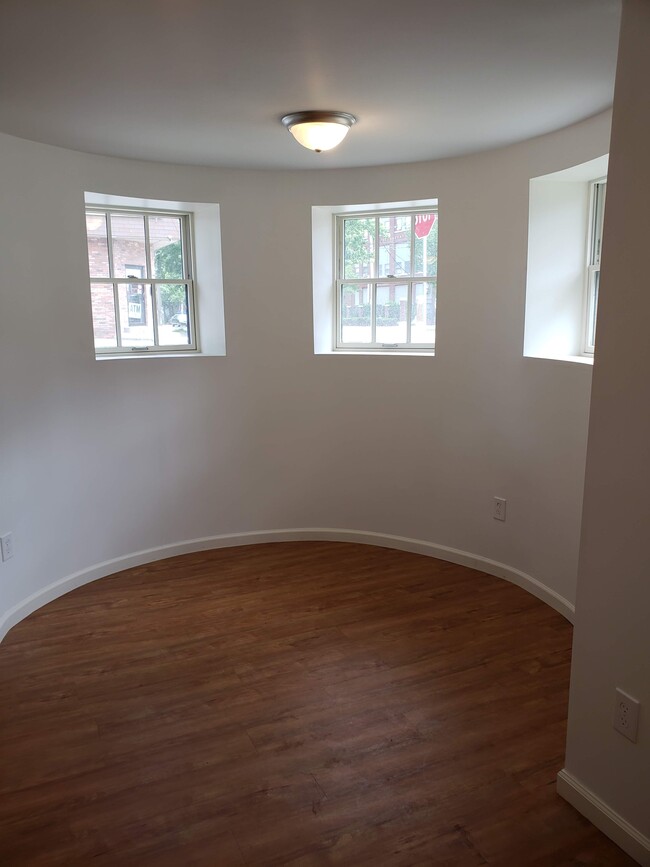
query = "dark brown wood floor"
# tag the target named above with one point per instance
(302, 704)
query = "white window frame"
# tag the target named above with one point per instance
(188, 279)
(409, 280)
(597, 196)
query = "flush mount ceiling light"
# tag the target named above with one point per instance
(319, 130)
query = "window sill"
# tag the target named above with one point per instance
(140, 355)
(421, 353)
(570, 359)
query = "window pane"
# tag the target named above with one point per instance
(129, 256)
(598, 217)
(594, 282)
(426, 247)
(359, 247)
(173, 316)
(103, 306)
(97, 245)
(166, 248)
(391, 312)
(356, 313)
(423, 313)
(395, 245)
(136, 320)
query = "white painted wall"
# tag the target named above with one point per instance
(612, 636)
(101, 459)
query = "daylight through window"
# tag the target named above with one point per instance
(141, 281)
(598, 193)
(386, 280)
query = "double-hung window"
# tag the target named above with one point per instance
(387, 265)
(141, 281)
(597, 214)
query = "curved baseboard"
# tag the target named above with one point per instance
(307, 534)
(604, 818)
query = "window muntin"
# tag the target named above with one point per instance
(386, 284)
(141, 280)
(597, 216)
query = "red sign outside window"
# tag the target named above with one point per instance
(424, 224)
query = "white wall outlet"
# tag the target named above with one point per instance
(499, 509)
(7, 546)
(626, 715)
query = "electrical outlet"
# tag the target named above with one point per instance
(7, 546)
(626, 715)
(499, 509)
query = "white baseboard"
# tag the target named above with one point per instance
(636, 844)
(309, 534)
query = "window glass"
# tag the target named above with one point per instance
(165, 248)
(395, 245)
(129, 256)
(356, 313)
(426, 245)
(103, 306)
(97, 245)
(136, 314)
(598, 194)
(359, 247)
(423, 313)
(173, 314)
(383, 302)
(142, 287)
(392, 312)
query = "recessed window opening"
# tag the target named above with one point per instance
(565, 233)
(141, 280)
(386, 280)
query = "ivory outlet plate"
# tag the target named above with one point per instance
(626, 715)
(7, 546)
(499, 509)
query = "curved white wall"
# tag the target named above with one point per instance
(103, 459)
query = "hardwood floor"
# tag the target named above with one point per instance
(290, 704)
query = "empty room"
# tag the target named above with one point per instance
(324, 433)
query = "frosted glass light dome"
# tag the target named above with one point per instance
(319, 130)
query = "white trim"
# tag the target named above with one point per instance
(308, 534)
(636, 844)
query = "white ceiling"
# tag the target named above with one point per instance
(206, 81)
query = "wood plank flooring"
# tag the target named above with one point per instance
(290, 704)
